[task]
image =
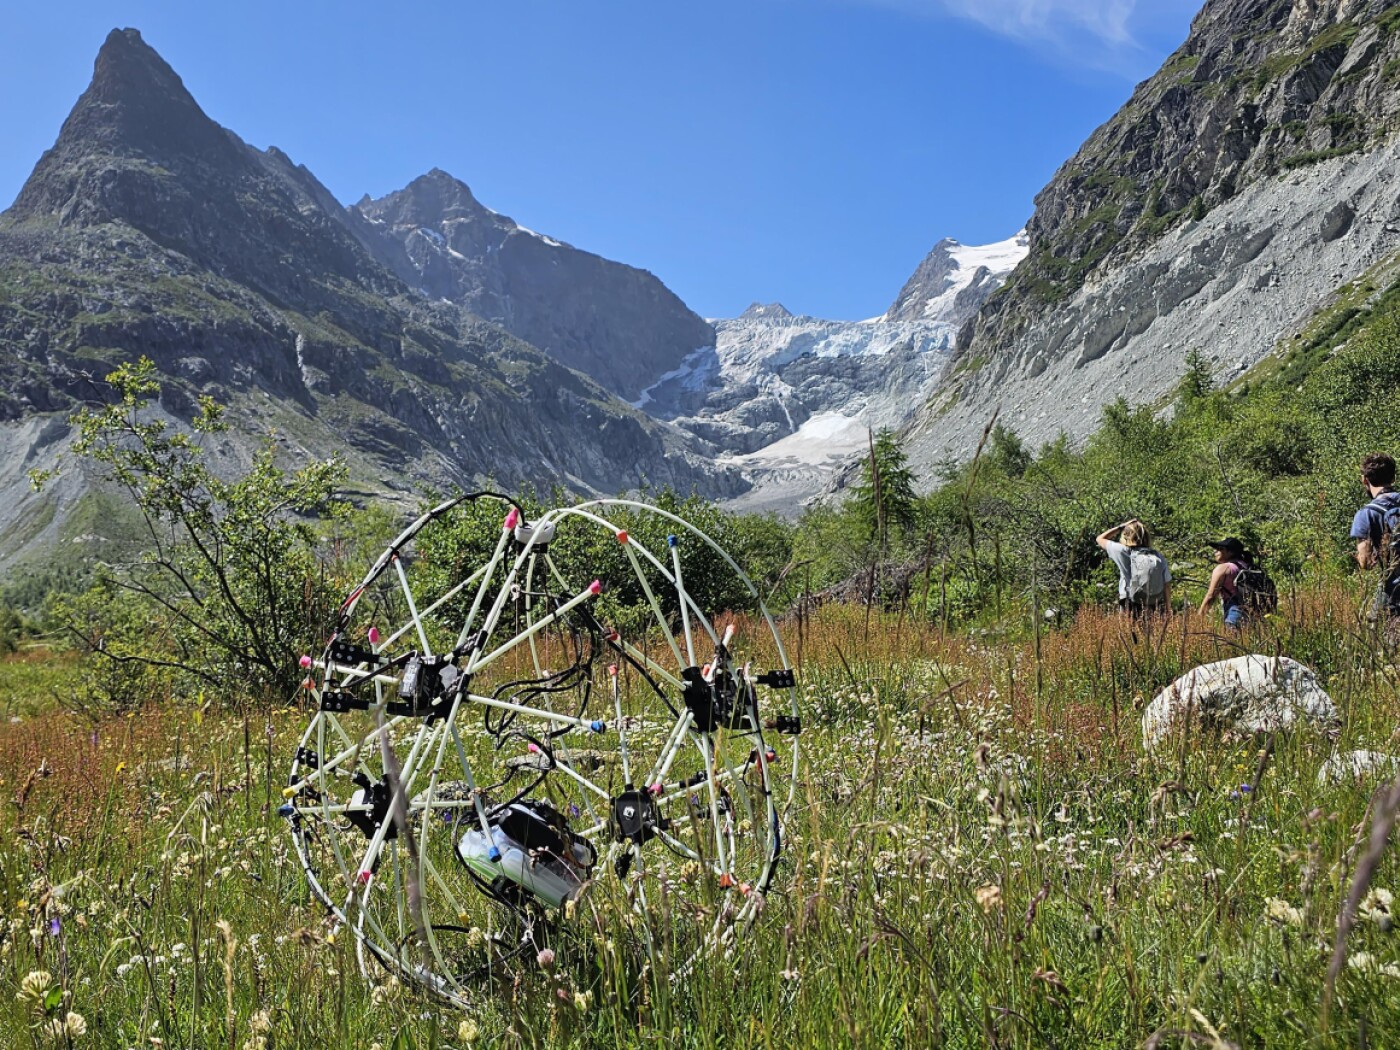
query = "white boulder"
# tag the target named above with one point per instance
(1248, 694)
(1357, 765)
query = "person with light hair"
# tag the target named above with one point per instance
(1144, 577)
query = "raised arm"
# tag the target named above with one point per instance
(1108, 536)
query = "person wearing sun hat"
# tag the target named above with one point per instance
(1230, 559)
(1144, 577)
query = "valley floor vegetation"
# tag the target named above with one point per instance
(980, 852)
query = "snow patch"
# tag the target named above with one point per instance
(974, 261)
(538, 236)
(691, 372)
(826, 438)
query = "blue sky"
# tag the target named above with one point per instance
(805, 151)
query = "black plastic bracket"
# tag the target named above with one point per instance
(338, 701)
(306, 757)
(784, 678)
(789, 724)
(635, 816)
(343, 652)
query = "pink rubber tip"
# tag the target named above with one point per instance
(513, 518)
(305, 661)
(363, 877)
(612, 670)
(655, 789)
(308, 685)
(374, 636)
(622, 536)
(533, 749)
(596, 587)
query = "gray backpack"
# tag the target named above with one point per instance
(1147, 580)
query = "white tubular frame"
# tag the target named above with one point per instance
(709, 817)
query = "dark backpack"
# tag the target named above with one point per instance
(1254, 591)
(1388, 549)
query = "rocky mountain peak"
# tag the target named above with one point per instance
(954, 280)
(136, 106)
(765, 312)
(431, 198)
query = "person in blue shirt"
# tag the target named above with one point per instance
(1369, 530)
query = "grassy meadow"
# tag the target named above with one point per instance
(980, 854)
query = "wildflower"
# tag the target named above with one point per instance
(35, 987)
(468, 1032)
(260, 1023)
(581, 1000)
(546, 957)
(1363, 962)
(1281, 912)
(1377, 908)
(74, 1025)
(988, 898)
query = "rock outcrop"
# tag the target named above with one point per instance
(1240, 186)
(615, 323)
(1357, 765)
(1245, 695)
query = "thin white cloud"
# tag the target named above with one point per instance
(1050, 19)
(1097, 33)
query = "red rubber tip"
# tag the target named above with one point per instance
(613, 636)
(596, 587)
(374, 636)
(622, 536)
(363, 877)
(308, 684)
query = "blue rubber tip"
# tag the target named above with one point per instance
(286, 809)
(494, 853)
(671, 540)
(597, 727)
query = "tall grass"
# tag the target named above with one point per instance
(980, 855)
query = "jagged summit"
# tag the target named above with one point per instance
(149, 230)
(765, 311)
(434, 197)
(954, 280)
(614, 322)
(136, 106)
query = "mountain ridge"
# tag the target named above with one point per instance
(150, 230)
(1231, 195)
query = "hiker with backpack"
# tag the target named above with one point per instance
(1376, 530)
(1144, 577)
(1242, 587)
